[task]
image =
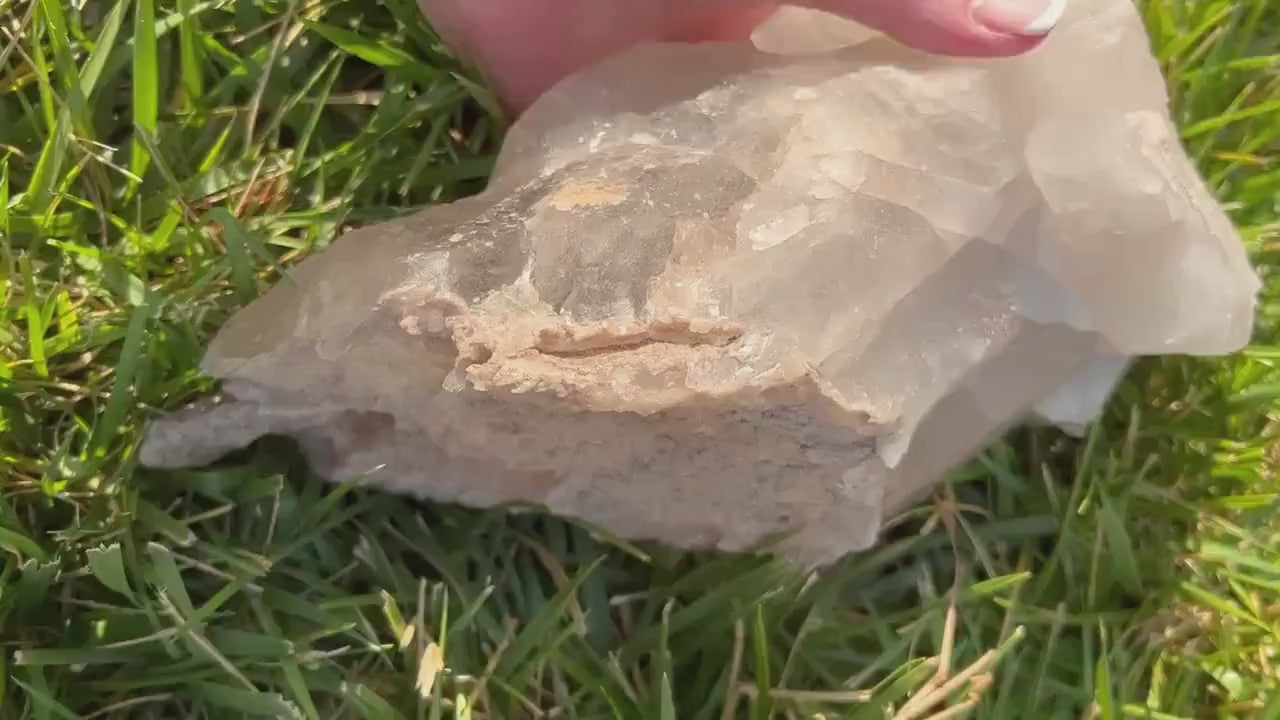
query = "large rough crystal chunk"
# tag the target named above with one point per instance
(721, 293)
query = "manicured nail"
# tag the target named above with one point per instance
(1019, 17)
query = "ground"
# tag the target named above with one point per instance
(160, 160)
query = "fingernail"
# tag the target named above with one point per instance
(1019, 17)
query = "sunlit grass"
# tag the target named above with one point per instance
(162, 160)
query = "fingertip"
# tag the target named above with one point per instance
(1034, 18)
(959, 28)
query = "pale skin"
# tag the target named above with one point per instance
(525, 46)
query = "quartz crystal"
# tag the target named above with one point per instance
(749, 294)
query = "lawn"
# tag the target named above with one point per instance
(161, 160)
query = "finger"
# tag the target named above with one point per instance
(525, 46)
(973, 28)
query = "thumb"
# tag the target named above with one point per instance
(974, 28)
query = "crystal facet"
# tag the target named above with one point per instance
(720, 292)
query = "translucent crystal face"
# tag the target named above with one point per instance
(720, 292)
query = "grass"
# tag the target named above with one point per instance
(160, 160)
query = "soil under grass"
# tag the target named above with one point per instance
(161, 159)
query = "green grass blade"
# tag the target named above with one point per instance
(146, 82)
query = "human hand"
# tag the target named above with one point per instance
(526, 46)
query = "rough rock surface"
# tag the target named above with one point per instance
(716, 293)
